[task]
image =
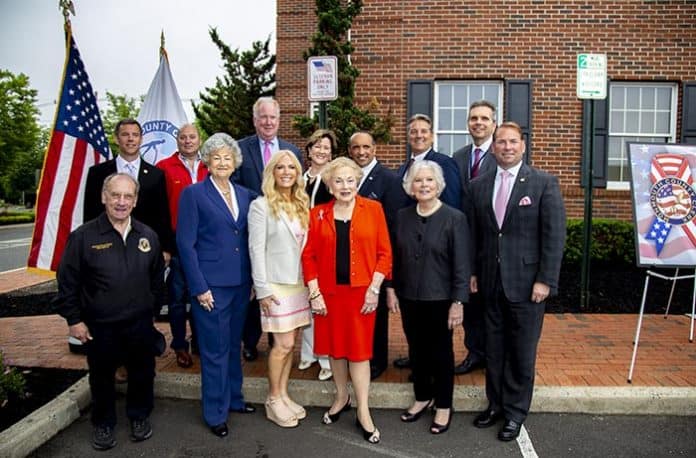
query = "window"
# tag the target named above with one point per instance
(638, 112)
(452, 100)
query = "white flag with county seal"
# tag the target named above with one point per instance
(161, 114)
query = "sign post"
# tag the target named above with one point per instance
(322, 83)
(591, 86)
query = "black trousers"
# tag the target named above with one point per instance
(380, 341)
(475, 327)
(513, 330)
(430, 350)
(130, 343)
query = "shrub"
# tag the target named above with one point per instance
(12, 383)
(613, 242)
(16, 218)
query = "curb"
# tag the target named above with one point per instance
(35, 429)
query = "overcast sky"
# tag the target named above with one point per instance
(119, 42)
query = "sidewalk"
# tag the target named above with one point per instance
(576, 350)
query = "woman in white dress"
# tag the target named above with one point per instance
(277, 232)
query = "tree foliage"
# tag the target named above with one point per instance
(227, 106)
(334, 20)
(118, 107)
(19, 135)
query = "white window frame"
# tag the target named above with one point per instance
(465, 128)
(636, 136)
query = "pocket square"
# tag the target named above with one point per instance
(525, 201)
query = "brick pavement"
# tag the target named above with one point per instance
(584, 350)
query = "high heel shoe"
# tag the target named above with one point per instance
(409, 417)
(329, 418)
(372, 437)
(295, 408)
(273, 403)
(436, 428)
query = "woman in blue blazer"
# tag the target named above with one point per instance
(212, 238)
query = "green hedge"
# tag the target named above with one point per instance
(612, 241)
(16, 218)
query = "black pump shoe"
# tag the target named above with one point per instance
(408, 417)
(329, 418)
(436, 428)
(372, 437)
(220, 430)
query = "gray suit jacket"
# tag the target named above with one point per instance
(275, 253)
(529, 246)
(463, 159)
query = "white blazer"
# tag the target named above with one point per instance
(273, 248)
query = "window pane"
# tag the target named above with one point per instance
(617, 97)
(633, 98)
(664, 98)
(460, 99)
(460, 116)
(662, 123)
(490, 93)
(617, 121)
(444, 119)
(647, 122)
(475, 92)
(460, 141)
(632, 122)
(445, 95)
(648, 98)
(444, 143)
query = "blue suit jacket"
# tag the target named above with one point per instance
(213, 247)
(451, 195)
(250, 173)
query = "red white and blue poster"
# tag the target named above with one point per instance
(663, 187)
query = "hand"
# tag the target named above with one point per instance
(318, 305)
(266, 303)
(456, 315)
(206, 300)
(540, 291)
(370, 304)
(473, 284)
(392, 301)
(80, 332)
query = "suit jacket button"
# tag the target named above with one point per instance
(500, 234)
(236, 249)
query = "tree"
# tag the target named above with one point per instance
(335, 18)
(227, 106)
(118, 107)
(19, 128)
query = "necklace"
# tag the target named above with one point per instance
(430, 211)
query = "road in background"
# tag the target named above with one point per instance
(14, 245)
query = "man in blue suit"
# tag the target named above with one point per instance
(420, 139)
(383, 185)
(256, 151)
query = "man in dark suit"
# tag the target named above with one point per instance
(153, 206)
(420, 139)
(473, 160)
(519, 231)
(256, 152)
(380, 184)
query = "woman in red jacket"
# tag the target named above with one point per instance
(346, 258)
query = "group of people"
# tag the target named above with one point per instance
(256, 244)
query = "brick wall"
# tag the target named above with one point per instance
(398, 41)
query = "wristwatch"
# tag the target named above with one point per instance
(374, 290)
(458, 302)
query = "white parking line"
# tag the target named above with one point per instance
(15, 243)
(525, 443)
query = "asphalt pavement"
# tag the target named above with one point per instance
(180, 432)
(14, 245)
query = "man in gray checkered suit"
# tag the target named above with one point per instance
(519, 226)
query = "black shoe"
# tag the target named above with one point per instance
(376, 372)
(247, 408)
(402, 363)
(140, 430)
(103, 438)
(329, 417)
(250, 354)
(436, 428)
(468, 365)
(220, 430)
(509, 431)
(372, 437)
(487, 418)
(408, 417)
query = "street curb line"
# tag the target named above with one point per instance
(35, 429)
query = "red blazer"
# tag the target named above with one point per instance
(176, 178)
(369, 245)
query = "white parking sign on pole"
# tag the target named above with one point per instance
(592, 76)
(322, 78)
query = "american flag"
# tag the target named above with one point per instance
(77, 142)
(324, 67)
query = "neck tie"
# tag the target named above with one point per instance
(477, 161)
(501, 198)
(131, 170)
(266, 152)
